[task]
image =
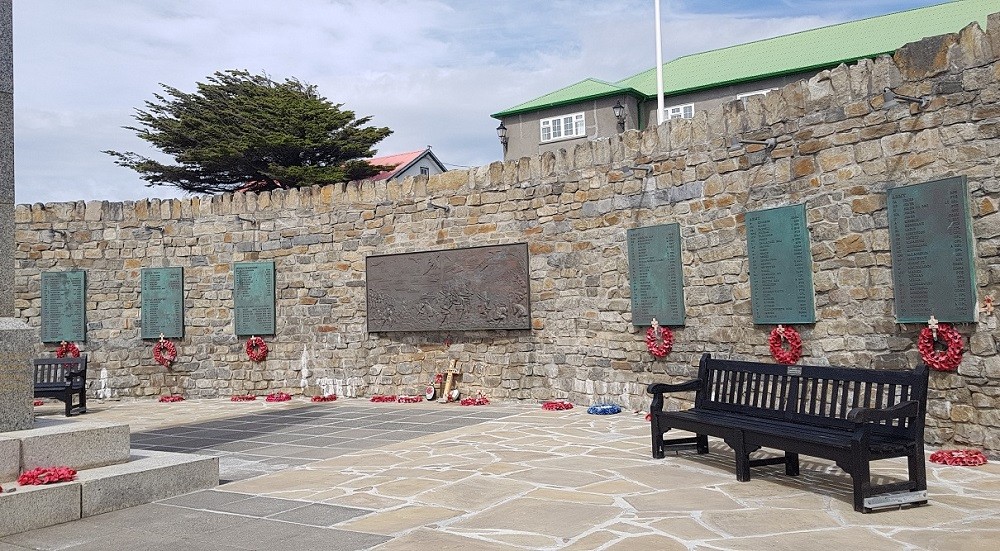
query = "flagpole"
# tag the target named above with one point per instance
(659, 66)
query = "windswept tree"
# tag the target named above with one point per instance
(245, 131)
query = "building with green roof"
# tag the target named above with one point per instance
(586, 110)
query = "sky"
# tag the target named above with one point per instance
(431, 70)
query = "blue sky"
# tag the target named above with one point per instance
(431, 70)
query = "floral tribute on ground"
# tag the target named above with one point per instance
(947, 359)
(46, 475)
(777, 339)
(556, 405)
(604, 409)
(325, 398)
(278, 397)
(243, 398)
(965, 458)
(384, 398)
(477, 401)
(172, 398)
(409, 399)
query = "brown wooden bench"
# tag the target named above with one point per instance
(62, 378)
(850, 416)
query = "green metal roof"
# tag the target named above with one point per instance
(585, 89)
(791, 53)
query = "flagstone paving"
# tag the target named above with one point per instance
(356, 475)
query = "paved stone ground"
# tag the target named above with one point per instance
(499, 477)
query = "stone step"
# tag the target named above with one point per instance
(148, 476)
(76, 444)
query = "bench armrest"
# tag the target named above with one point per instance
(901, 410)
(658, 389)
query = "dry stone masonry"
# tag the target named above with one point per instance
(837, 150)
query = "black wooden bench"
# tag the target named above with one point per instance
(850, 416)
(62, 378)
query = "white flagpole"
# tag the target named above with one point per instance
(659, 66)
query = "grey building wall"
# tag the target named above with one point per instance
(524, 130)
(414, 170)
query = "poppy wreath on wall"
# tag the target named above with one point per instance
(164, 352)
(777, 339)
(68, 349)
(256, 349)
(659, 339)
(940, 360)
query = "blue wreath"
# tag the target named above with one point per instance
(604, 409)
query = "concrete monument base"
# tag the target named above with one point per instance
(17, 340)
(109, 477)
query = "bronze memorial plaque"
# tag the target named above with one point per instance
(253, 298)
(781, 284)
(656, 279)
(930, 237)
(64, 296)
(162, 302)
(458, 289)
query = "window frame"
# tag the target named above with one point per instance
(682, 107)
(743, 97)
(557, 125)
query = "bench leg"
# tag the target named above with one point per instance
(69, 404)
(739, 447)
(657, 434)
(861, 476)
(83, 401)
(791, 464)
(702, 445)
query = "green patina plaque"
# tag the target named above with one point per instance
(64, 299)
(253, 297)
(162, 303)
(930, 237)
(781, 283)
(656, 279)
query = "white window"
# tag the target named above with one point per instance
(679, 111)
(565, 126)
(746, 95)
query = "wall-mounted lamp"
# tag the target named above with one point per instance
(619, 111)
(502, 134)
(769, 143)
(889, 99)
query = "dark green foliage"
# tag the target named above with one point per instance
(244, 131)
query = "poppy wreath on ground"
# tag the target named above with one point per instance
(243, 398)
(659, 340)
(556, 405)
(965, 458)
(46, 475)
(38, 403)
(477, 401)
(941, 360)
(172, 398)
(604, 409)
(164, 352)
(410, 399)
(278, 397)
(326, 398)
(384, 398)
(780, 335)
(256, 349)
(68, 349)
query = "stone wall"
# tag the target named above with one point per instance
(838, 150)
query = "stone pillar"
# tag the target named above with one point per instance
(17, 340)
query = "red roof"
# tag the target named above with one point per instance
(398, 161)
